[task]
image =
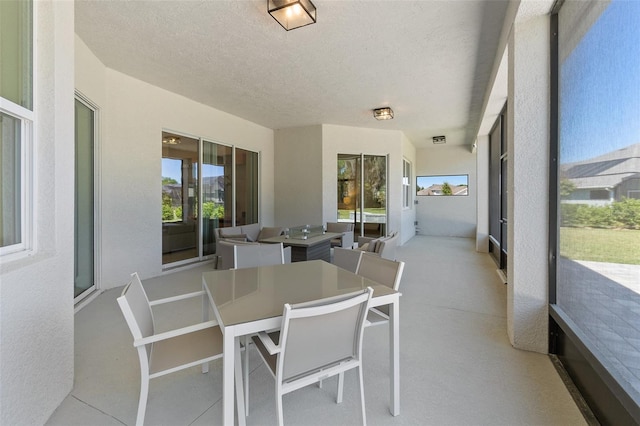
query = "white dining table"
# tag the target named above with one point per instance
(247, 301)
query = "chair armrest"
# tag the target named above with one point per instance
(364, 240)
(271, 347)
(176, 298)
(347, 239)
(174, 333)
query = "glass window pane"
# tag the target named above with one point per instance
(10, 182)
(216, 192)
(374, 190)
(84, 217)
(179, 198)
(246, 187)
(16, 50)
(599, 142)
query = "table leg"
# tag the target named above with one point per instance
(228, 361)
(239, 391)
(394, 356)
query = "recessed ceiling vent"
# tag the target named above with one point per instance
(439, 139)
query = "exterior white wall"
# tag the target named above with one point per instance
(133, 115)
(482, 191)
(356, 140)
(407, 227)
(36, 303)
(298, 176)
(447, 216)
(528, 181)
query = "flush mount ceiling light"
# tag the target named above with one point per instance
(171, 140)
(385, 113)
(439, 139)
(292, 14)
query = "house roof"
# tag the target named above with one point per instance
(431, 61)
(604, 171)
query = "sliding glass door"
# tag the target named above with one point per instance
(216, 192)
(362, 193)
(224, 189)
(84, 206)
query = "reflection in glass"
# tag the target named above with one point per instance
(10, 190)
(216, 192)
(84, 199)
(179, 198)
(246, 187)
(362, 193)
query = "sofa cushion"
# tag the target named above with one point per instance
(269, 232)
(235, 237)
(252, 230)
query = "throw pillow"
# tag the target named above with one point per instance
(268, 232)
(373, 245)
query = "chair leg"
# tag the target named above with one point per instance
(246, 374)
(279, 410)
(142, 403)
(364, 414)
(340, 387)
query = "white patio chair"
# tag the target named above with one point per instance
(166, 352)
(317, 340)
(384, 271)
(347, 258)
(251, 255)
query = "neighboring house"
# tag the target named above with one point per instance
(436, 189)
(604, 179)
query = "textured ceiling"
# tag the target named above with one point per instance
(429, 60)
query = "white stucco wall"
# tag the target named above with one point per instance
(298, 176)
(133, 115)
(407, 227)
(447, 216)
(528, 179)
(482, 192)
(36, 303)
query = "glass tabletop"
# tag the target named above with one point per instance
(253, 294)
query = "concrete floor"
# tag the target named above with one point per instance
(457, 365)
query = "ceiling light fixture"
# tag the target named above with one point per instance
(292, 14)
(439, 139)
(171, 140)
(385, 113)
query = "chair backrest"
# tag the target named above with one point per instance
(248, 256)
(321, 333)
(379, 269)
(135, 307)
(347, 258)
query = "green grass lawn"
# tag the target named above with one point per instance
(601, 245)
(344, 214)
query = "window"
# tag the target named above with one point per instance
(406, 184)
(594, 294)
(442, 185)
(16, 123)
(203, 176)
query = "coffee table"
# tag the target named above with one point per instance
(313, 248)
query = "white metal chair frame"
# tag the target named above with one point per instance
(170, 351)
(305, 372)
(386, 272)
